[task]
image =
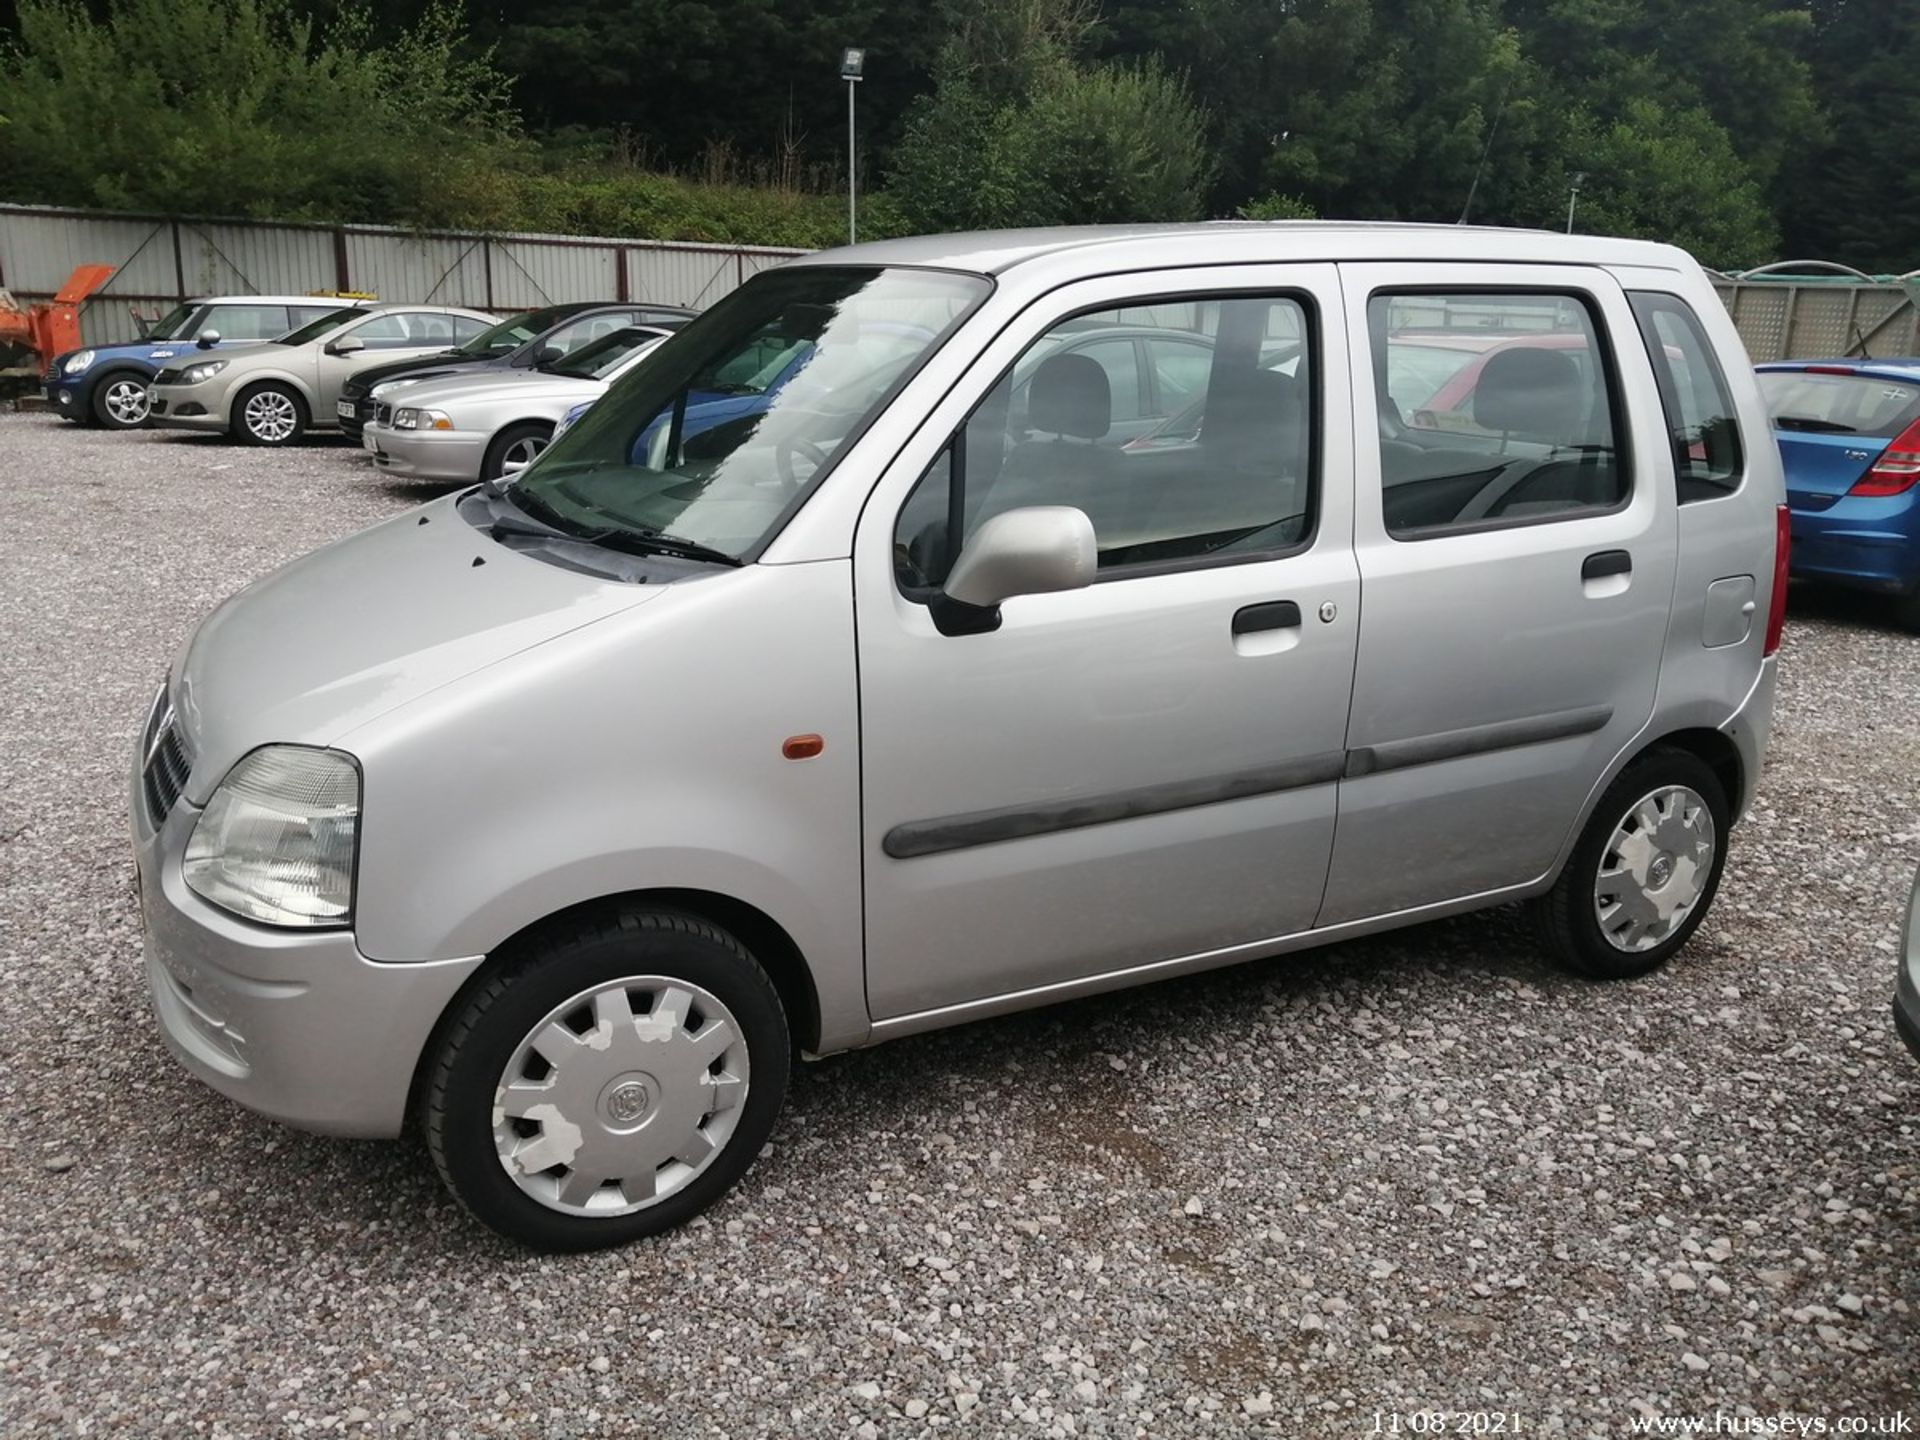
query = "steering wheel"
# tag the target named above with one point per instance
(788, 446)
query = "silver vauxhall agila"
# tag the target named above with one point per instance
(946, 626)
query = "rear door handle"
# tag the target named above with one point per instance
(1606, 562)
(1274, 615)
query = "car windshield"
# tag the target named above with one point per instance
(728, 424)
(515, 331)
(596, 358)
(174, 324)
(314, 329)
(1837, 402)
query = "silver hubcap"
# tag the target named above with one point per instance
(126, 402)
(520, 454)
(621, 1096)
(1654, 868)
(270, 416)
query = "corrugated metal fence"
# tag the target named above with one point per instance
(161, 260)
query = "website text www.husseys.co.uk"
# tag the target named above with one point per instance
(1784, 1425)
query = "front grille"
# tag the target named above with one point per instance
(53, 370)
(169, 376)
(167, 762)
(382, 413)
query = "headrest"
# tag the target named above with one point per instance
(1529, 390)
(1070, 396)
(1255, 415)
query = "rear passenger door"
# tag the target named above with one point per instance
(1516, 555)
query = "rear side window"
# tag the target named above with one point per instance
(1496, 409)
(248, 322)
(1707, 459)
(1835, 401)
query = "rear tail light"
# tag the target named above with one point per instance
(1898, 468)
(1777, 607)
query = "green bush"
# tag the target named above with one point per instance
(1278, 207)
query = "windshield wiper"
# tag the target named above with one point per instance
(632, 540)
(1813, 424)
(641, 541)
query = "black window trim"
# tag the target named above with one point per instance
(1609, 369)
(1643, 303)
(954, 445)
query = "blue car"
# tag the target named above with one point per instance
(107, 384)
(1849, 433)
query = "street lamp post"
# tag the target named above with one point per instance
(852, 62)
(1573, 196)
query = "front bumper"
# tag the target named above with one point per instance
(297, 1025)
(186, 407)
(426, 454)
(70, 396)
(355, 423)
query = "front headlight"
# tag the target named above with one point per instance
(206, 370)
(276, 842)
(422, 420)
(78, 361)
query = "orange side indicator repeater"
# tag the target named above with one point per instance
(802, 747)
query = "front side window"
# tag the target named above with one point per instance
(1233, 481)
(1693, 392)
(596, 359)
(247, 322)
(727, 427)
(511, 333)
(179, 323)
(1521, 429)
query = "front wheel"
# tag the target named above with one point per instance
(120, 401)
(1645, 871)
(269, 414)
(515, 448)
(608, 1083)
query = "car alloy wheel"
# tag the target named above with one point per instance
(270, 417)
(124, 402)
(517, 456)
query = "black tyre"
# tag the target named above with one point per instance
(514, 448)
(270, 413)
(608, 1082)
(120, 400)
(1644, 873)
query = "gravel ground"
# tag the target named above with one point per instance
(1414, 1172)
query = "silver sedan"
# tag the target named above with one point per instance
(273, 393)
(479, 427)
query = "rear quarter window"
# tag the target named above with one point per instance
(1708, 461)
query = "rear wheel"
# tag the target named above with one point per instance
(610, 1082)
(1645, 871)
(269, 414)
(120, 401)
(1907, 610)
(514, 448)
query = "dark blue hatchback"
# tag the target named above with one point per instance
(1849, 433)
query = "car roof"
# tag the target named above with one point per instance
(995, 252)
(1894, 369)
(337, 302)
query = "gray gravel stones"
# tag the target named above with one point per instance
(1416, 1171)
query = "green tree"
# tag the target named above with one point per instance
(242, 107)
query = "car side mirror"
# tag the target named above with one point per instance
(207, 339)
(347, 345)
(547, 354)
(1035, 550)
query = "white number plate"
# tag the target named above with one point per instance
(344, 409)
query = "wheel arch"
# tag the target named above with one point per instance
(764, 936)
(1715, 750)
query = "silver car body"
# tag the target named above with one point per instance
(480, 406)
(1448, 713)
(315, 370)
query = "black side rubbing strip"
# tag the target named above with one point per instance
(1017, 822)
(1274, 615)
(1476, 740)
(1606, 562)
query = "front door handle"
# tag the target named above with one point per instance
(1606, 562)
(1274, 615)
